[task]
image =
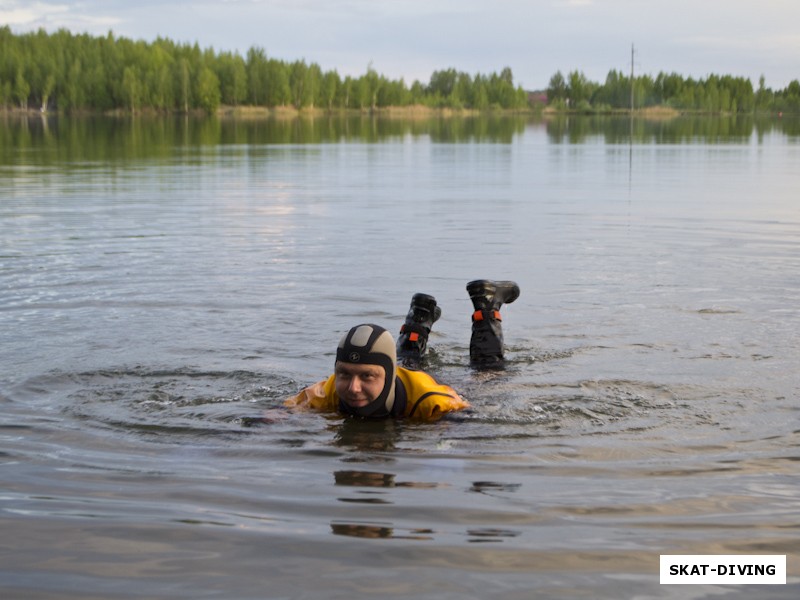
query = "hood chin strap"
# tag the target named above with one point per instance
(398, 408)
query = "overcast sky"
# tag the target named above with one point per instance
(413, 38)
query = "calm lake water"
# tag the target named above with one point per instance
(165, 282)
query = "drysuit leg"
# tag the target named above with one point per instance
(486, 343)
(412, 344)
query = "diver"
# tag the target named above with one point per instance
(368, 383)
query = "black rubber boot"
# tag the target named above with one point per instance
(413, 341)
(486, 344)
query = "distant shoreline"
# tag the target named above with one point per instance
(418, 111)
(246, 112)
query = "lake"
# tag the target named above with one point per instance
(164, 282)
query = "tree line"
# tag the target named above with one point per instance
(74, 72)
(713, 94)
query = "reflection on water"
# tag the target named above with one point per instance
(738, 129)
(61, 141)
(166, 283)
(369, 438)
(371, 479)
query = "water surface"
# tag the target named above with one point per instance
(164, 282)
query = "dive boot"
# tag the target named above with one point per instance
(486, 344)
(413, 341)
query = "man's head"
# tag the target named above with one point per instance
(365, 371)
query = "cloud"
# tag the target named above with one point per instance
(28, 13)
(27, 16)
(788, 43)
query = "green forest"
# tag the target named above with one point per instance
(713, 94)
(80, 72)
(70, 72)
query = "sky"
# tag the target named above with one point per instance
(413, 38)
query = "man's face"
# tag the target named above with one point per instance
(358, 385)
